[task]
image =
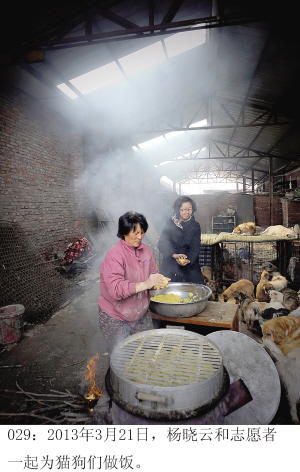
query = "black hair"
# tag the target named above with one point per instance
(180, 201)
(129, 221)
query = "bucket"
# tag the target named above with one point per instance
(11, 323)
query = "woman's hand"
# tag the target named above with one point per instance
(181, 259)
(153, 279)
(156, 279)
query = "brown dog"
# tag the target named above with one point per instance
(243, 285)
(245, 229)
(282, 336)
(214, 286)
(278, 329)
(249, 309)
(263, 287)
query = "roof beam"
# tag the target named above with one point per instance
(261, 130)
(45, 82)
(169, 16)
(207, 127)
(118, 20)
(260, 154)
(132, 33)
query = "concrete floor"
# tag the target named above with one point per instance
(53, 357)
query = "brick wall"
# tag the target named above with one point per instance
(212, 205)
(41, 160)
(262, 210)
(293, 213)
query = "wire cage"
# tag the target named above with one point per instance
(233, 261)
(25, 276)
(293, 269)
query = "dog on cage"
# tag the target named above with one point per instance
(263, 287)
(278, 281)
(245, 229)
(249, 309)
(243, 285)
(279, 230)
(282, 337)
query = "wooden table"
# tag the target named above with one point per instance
(218, 314)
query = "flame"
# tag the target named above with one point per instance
(94, 392)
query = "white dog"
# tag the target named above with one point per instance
(276, 299)
(278, 282)
(279, 230)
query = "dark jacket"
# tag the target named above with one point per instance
(175, 240)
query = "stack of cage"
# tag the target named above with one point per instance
(247, 260)
(205, 255)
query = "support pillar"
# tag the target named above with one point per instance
(271, 190)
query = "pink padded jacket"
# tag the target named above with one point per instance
(123, 267)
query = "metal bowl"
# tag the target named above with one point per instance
(181, 310)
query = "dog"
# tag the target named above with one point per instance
(245, 229)
(270, 313)
(279, 328)
(206, 272)
(296, 312)
(290, 299)
(243, 285)
(279, 230)
(249, 309)
(262, 294)
(278, 282)
(282, 337)
(276, 300)
(263, 287)
(214, 286)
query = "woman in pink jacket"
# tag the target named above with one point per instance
(126, 274)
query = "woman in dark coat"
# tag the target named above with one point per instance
(179, 244)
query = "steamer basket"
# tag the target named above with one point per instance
(163, 374)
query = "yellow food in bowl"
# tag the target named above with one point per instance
(172, 298)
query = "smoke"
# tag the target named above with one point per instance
(114, 182)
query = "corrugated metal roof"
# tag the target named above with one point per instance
(244, 81)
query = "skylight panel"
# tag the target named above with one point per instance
(65, 89)
(172, 134)
(181, 42)
(199, 124)
(181, 157)
(162, 163)
(159, 139)
(97, 78)
(164, 180)
(142, 59)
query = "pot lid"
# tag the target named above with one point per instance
(245, 359)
